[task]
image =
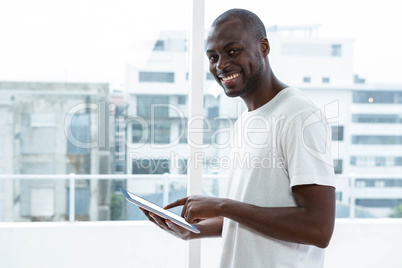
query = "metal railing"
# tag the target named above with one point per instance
(347, 185)
(166, 178)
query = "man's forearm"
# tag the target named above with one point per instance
(298, 224)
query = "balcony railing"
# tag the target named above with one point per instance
(349, 189)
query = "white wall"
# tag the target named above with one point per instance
(356, 243)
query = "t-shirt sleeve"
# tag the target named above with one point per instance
(306, 148)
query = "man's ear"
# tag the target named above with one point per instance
(265, 48)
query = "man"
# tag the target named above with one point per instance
(275, 215)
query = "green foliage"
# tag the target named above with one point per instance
(116, 207)
(397, 212)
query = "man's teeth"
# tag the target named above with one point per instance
(233, 76)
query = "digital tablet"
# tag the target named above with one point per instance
(163, 213)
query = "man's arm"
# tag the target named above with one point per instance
(208, 228)
(310, 222)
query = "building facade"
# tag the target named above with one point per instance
(53, 128)
(365, 118)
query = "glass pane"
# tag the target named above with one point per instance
(100, 90)
(308, 56)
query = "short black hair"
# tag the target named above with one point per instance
(249, 19)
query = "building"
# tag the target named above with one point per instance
(52, 128)
(365, 119)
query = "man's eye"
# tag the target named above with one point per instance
(233, 51)
(211, 58)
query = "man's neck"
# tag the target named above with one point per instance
(264, 94)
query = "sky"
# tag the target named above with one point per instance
(94, 40)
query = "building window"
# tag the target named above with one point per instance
(336, 50)
(377, 118)
(399, 97)
(138, 132)
(150, 166)
(159, 45)
(390, 183)
(378, 202)
(359, 80)
(325, 80)
(375, 161)
(81, 203)
(157, 77)
(306, 79)
(181, 100)
(337, 133)
(374, 97)
(79, 132)
(153, 105)
(2, 145)
(338, 166)
(376, 139)
(33, 128)
(161, 133)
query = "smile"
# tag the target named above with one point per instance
(230, 78)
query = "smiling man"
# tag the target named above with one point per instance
(275, 215)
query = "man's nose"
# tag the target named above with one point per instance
(223, 63)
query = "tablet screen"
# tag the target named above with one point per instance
(158, 210)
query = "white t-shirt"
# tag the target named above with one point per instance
(284, 143)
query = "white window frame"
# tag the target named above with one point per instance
(195, 106)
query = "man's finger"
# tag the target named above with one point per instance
(179, 202)
(159, 221)
(146, 213)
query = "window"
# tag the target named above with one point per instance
(1, 210)
(376, 139)
(377, 118)
(306, 79)
(158, 106)
(159, 45)
(372, 161)
(34, 127)
(338, 166)
(161, 133)
(359, 80)
(336, 50)
(81, 202)
(337, 133)
(2, 141)
(1, 182)
(181, 100)
(158, 132)
(399, 97)
(325, 80)
(150, 166)
(378, 203)
(374, 97)
(80, 132)
(157, 77)
(391, 183)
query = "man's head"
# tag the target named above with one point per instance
(252, 22)
(237, 50)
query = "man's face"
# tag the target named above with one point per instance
(234, 58)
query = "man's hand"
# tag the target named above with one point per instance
(197, 208)
(167, 225)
